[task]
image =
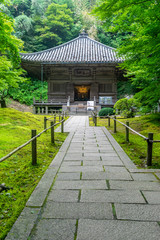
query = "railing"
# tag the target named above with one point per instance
(34, 142)
(149, 139)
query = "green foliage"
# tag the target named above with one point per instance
(109, 38)
(23, 25)
(149, 96)
(18, 7)
(17, 171)
(56, 25)
(141, 47)
(10, 71)
(125, 88)
(105, 112)
(29, 90)
(38, 33)
(127, 107)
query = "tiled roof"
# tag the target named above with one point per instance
(79, 50)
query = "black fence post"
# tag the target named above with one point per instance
(34, 148)
(95, 123)
(149, 149)
(127, 132)
(62, 127)
(55, 118)
(45, 122)
(115, 127)
(109, 121)
(52, 132)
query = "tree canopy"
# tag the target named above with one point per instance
(31, 16)
(140, 21)
(56, 25)
(10, 72)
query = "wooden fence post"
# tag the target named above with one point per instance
(55, 118)
(149, 149)
(115, 127)
(62, 127)
(52, 132)
(95, 123)
(109, 121)
(34, 148)
(127, 132)
(45, 122)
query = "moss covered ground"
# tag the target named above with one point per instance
(136, 148)
(17, 171)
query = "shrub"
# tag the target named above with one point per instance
(127, 107)
(105, 112)
(27, 90)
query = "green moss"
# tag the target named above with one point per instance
(17, 171)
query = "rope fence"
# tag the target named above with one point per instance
(33, 140)
(148, 139)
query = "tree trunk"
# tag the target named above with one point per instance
(3, 103)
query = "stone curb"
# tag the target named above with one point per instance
(25, 222)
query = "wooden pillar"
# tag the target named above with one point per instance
(46, 109)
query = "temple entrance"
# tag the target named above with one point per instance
(82, 93)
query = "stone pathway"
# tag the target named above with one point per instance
(91, 191)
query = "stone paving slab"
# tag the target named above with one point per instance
(105, 175)
(82, 184)
(73, 151)
(126, 160)
(78, 210)
(39, 194)
(90, 141)
(93, 163)
(112, 163)
(143, 177)
(81, 169)
(158, 175)
(111, 153)
(82, 158)
(55, 229)
(24, 224)
(140, 212)
(68, 176)
(71, 163)
(112, 196)
(111, 158)
(107, 147)
(152, 197)
(116, 169)
(137, 185)
(74, 155)
(76, 145)
(144, 170)
(63, 195)
(117, 230)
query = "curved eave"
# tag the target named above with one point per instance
(81, 50)
(54, 63)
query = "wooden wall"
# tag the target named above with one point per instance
(61, 81)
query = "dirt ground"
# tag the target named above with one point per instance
(18, 106)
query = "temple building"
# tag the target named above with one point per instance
(78, 71)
